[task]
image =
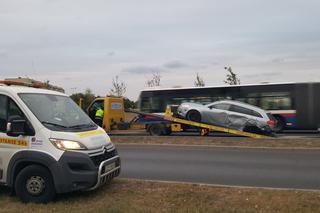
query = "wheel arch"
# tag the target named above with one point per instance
(25, 158)
(193, 110)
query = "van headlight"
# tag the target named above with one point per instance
(67, 144)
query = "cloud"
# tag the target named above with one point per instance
(175, 64)
(143, 70)
(112, 53)
(278, 60)
(3, 53)
(156, 69)
(261, 75)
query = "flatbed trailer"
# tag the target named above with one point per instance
(114, 121)
(176, 125)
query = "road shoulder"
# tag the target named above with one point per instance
(236, 142)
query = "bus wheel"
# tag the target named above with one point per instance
(34, 184)
(194, 115)
(280, 125)
(156, 129)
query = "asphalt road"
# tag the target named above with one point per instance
(298, 169)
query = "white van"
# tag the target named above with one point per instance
(48, 145)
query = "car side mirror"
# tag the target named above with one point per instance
(16, 127)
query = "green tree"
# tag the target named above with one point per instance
(128, 104)
(87, 97)
(232, 78)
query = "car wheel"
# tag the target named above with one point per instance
(34, 184)
(194, 115)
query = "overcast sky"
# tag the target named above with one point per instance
(80, 44)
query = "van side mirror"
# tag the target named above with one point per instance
(16, 127)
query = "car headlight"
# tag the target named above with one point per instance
(67, 144)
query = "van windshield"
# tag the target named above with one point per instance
(58, 113)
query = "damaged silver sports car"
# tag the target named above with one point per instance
(229, 114)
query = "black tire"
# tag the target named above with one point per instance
(194, 115)
(34, 184)
(167, 131)
(156, 129)
(123, 126)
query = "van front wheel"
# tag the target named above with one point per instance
(34, 184)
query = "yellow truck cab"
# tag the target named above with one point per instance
(48, 145)
(113, 108)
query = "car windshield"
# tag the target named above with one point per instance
(57, 112)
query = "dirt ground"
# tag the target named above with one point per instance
(139, 196)
(220, 141)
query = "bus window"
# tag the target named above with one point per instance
(157, 104)
(178, 101)
(145, 105)
(201, 100)
(252, 101)
(153, 104)
(276, 103)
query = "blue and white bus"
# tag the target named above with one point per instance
(295, 105)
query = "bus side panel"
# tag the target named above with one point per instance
(316, 94)
(305, 103)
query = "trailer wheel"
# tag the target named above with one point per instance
(167, 131)
(156, 129)
(34, 183)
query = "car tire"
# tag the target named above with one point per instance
(194, 115)
(34, 184)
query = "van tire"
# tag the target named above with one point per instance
(34, 184)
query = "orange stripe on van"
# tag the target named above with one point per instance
(16, 142)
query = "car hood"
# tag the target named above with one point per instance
(91, 139)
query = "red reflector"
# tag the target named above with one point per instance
(272, 123)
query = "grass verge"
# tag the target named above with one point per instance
(140, 196)
(219, 141)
